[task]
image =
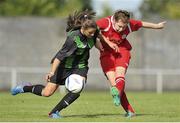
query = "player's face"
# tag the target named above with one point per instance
(89, 32)
(120, 25)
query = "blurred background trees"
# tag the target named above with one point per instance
(53, 8)
(166, 8)
(60, 8)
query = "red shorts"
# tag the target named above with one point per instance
(110, 60)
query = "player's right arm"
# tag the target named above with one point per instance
(68, 48)
(54, 66)
(103, 24)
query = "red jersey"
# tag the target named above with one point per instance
(108, 30)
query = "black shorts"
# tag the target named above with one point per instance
(62, 73)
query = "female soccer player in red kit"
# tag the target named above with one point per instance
(116, 55)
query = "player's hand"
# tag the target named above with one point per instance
(161, 25)
(48, 76)
(113, 46)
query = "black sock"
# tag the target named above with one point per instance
(35, 89)
(66, 101)
(27, 88)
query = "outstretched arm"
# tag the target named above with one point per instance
(153, 25)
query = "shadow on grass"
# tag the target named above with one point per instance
(90, 115)
(102, 115)
(137, 115)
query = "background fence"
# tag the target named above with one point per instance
(159, 75)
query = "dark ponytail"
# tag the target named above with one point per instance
(79, 19)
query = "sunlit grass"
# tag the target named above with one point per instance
(91, 107)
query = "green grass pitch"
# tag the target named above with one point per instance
(91, 107)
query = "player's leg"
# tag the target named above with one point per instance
(122, 62)
(19, 88)
(120, 79)
(114, 92)
(49, 89)
(107, 63)
(120, 84)
(74, 84)
(127, 107)
(38, 89)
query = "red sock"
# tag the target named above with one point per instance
(125, 104)
(120, 83)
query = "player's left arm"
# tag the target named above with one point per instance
(98, 45)
(97, 40)
(153, 25)
(114, 46)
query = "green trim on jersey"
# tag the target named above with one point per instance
(80, 57)
(82, 65)
(90, 43)
(69, 62)
(79, 42)
(82, 62)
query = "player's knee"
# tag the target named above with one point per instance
(120, 71)
(46, 93)
(75, 83)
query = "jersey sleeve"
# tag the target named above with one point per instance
(135, 24)
(102, 23)
(67, 49)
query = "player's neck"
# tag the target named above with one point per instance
(82, 31)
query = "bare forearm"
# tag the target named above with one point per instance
(98, 45)
(55, 65)
(103, 38)
(153, 25)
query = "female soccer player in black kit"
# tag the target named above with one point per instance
(70, 64)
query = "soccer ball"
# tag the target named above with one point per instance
(74, 83)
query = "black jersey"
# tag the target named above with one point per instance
(75, 51)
